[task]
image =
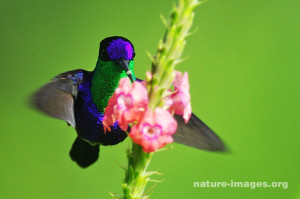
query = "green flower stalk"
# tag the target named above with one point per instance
(168, 55)
(170, 49)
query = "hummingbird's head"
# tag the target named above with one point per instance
(119, 50)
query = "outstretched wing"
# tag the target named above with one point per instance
(56, 98)
(196, 134)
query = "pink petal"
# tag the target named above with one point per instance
(180, 100)
(181, 82)
(187, 113)
(124, 85)
(154, 130)
(137, 99)
(127, 104)
(110, 114)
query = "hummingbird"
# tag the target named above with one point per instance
(79, 97)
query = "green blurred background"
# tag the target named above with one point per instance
(243, 65)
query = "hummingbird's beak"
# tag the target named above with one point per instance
(125, 65)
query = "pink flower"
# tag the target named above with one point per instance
(154, 130)
(110, 116)
(127, 104)
(179, 102)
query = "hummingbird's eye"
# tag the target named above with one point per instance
(133, 55)
(104, 55)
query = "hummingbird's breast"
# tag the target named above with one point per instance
(89, 118)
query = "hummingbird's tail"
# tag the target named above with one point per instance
(83, 153)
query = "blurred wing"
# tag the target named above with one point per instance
(196, 134)
(56, 98)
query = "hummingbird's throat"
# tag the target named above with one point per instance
(105, 80)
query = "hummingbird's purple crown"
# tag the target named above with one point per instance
(119, 48)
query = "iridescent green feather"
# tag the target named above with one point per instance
(106, 77)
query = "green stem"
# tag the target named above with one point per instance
(170, 50)
(168, 55)
(136, 177)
